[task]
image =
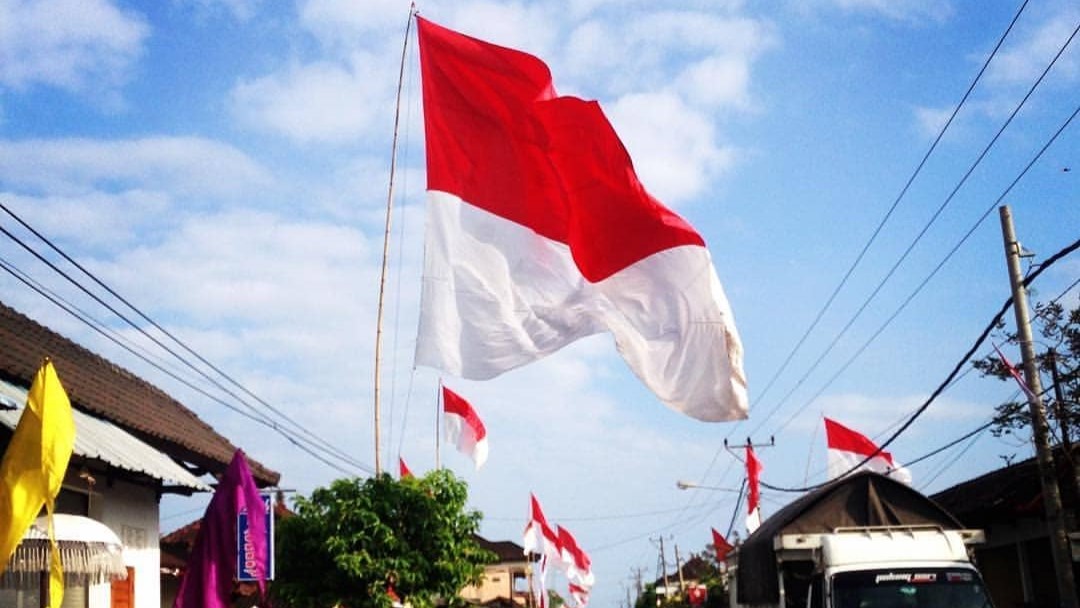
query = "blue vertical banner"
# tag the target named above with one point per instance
(246, 559)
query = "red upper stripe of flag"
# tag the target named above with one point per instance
(839, 437)
(500, 138)
(456, 404)
(753, 474)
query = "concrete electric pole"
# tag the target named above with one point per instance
(1055, 516)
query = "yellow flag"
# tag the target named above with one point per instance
(33, 469)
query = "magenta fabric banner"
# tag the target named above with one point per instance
(211, 567)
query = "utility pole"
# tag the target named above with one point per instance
(1073, 487)
(678, 568)
(1055, 521)
(663, 568)
(638, 586)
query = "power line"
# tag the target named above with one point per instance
(314, 442)
(940, 265)
(131, 348)
(873, 237)
(881, 284)
(948, 379)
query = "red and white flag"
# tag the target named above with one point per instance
(403, 469)
(579, 595)
(577, 562)
(539, 536)
(464, 428)
(847, 449)
(720, 545)
(538, 582)
(540, 539)
(539, 233)
(753, 501)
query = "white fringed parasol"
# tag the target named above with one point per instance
(89, 551)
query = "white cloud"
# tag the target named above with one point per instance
(716, 81)
(619, 57)
(1023, 62)
(322, 101)
(252, 268)
(75, 45)
(183, 165)
(673, 146)
(338, 22)
(241, 10)
(931, 120)
(528, 27)
(900, 10)
(96, 220)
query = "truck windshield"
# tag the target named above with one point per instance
(910, 588)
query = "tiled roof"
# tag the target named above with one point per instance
(1008, 493)
(101, 440)
(506, 550)
(106, 390)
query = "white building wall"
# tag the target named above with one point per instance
(132, 512)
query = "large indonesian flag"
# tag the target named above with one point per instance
(848, 449)
(539, 233)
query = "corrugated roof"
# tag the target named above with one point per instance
(102, 388)
(101, 440)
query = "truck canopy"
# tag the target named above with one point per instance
(861, 499)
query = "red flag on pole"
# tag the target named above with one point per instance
(1015, 373)
(464, 428)
(720, 545)
(577, 562)
(403, 469)
(753, 501)
(539, 536)
(847, 449)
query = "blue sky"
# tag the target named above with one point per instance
(224, 165)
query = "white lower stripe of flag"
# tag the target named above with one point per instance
(497, 296)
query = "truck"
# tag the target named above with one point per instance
(863, 541)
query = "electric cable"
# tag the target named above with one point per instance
(911, 246)
(124, 344)
(881, 224)
(866, 344)
(318, 443)
(948, 379)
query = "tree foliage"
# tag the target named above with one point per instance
(1058, 361)
(711, 575)
(349, 543)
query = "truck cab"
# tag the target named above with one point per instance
(890, 567)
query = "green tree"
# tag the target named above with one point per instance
(349, 543)
(1058, 361)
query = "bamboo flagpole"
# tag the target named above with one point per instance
(438, 424)
(386, 246)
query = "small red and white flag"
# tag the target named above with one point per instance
(720, 545)
(403, 469)
(848, 449)
(539, 233)
(464, 428)
(1015, 374)
(539, 536)
(540, 539)
(577, 562)
(579, 595)
(753, 501)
